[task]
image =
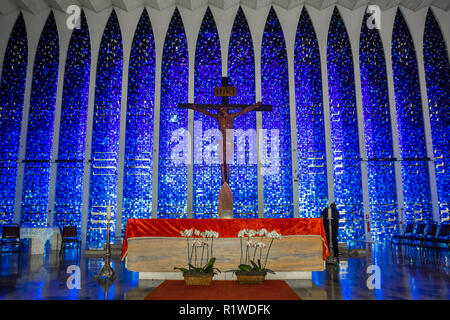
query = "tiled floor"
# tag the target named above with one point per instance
(403, 275)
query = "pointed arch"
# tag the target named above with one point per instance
(105, 133)
(277, 169)
(415, 177)
(312, 159)
(437, 74)
(344, 131)
(378, 133)
(72, 136)
(208, 75)
(36, 179)
(139, 125)
(172, 188)
(241, 73)
(12, 90)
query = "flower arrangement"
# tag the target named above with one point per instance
(254, 247)
(199, 263)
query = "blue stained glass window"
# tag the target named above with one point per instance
(378, 134)
(344, 131)
(137, 202)
(105, 134)
(312, 162)
(71, 153)
(277, 161)
(172, 188)
(12, 89)
(208, 75)
(416, 186)
(36, 180)
(437, 73)
(241, 73)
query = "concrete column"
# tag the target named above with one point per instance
(160, 22)
(97, 23)
(128, 23)
(318, 19)
(289, 22)
(256, 21)
(353, 21)
(34, 25)
(64, 40)
(416, 24)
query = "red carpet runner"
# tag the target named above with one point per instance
(223, 290)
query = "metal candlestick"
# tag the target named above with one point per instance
(107, 272)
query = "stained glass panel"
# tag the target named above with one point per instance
(12, 89)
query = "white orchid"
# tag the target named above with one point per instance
(260, 245)
(187, 232)
(210, 234)
(251, 233)
(197, 232)
(274, 235)
(262, 232)
(242, 233)
(199, 243)
(251, 244)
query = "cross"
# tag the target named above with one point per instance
(224, 118)
(225, 92)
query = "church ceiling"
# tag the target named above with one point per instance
(36, 6)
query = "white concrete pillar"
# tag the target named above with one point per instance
(34, 24)
(353, 21)
(97, 23)
(289, 22)
(386, 29)
(128, 22)
(160, 22)
(64, 39)
(321, 21)
(416, 24)
(256, 21)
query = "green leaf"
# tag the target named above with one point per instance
(269, 271)
(181, 269)
(255, 267)
(259, 264)
(245, 267)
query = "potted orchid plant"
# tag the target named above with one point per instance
(200, 256)
(252, 267)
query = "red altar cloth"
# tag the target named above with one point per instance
(227, 228)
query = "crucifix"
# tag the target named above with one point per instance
(225, 120)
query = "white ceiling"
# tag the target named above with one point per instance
(35, 6)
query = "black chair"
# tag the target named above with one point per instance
(398, 238)
(11, 236)
(11, 239)
(69, 235)
(428, 236)
(443, 237)
(417, 235)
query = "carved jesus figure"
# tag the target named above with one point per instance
(226, 123)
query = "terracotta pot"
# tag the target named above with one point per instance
(251, 277)
(197, 278)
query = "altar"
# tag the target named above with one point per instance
(153, 247)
